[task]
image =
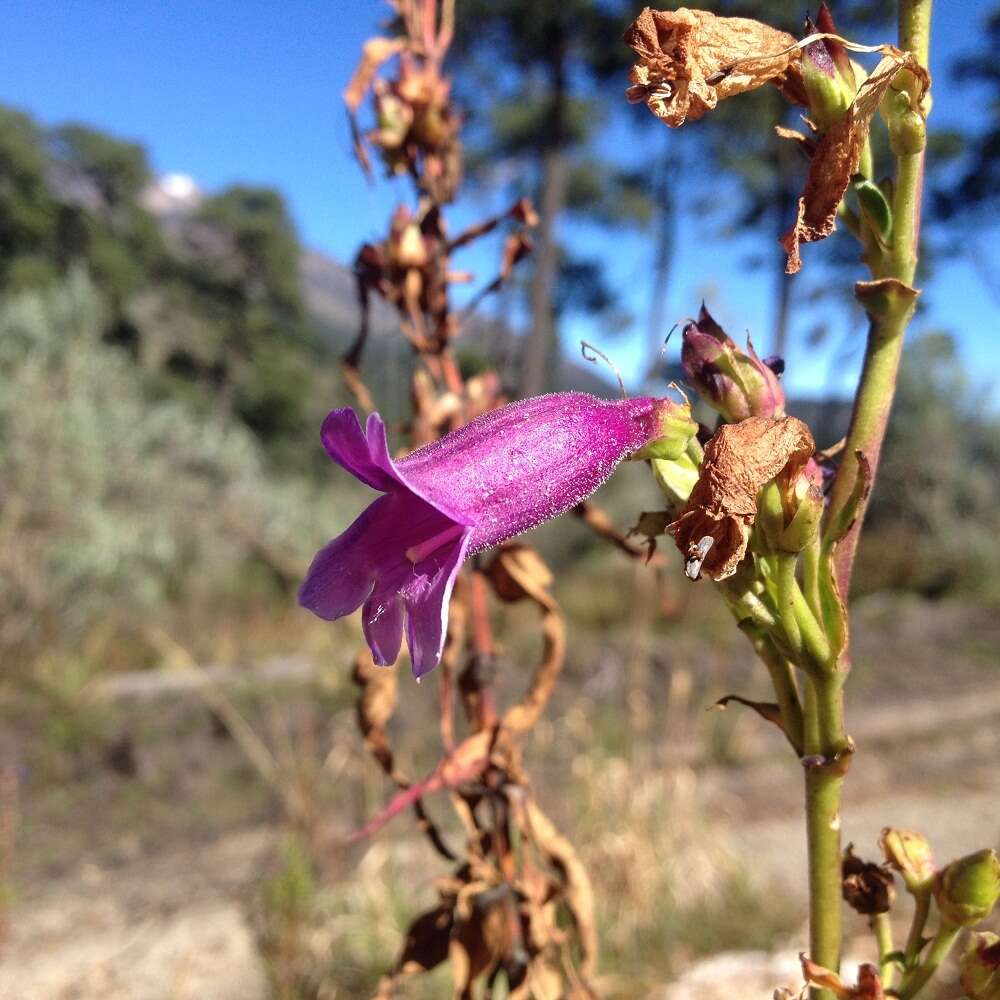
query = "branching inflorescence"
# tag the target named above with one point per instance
(477, 470)
(775, 523)
(753, 507)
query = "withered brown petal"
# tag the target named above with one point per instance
(689, 60)
(375, 52)
(817, 975)
(805, 143)
(869, 986)
(738, 461)
(838, 154)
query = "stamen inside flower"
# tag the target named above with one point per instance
(418, 553)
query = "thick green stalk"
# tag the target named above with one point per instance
(889, 309)
(783, 679)
(824, 782)
(890, 305)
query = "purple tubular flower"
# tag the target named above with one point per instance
(505, 472)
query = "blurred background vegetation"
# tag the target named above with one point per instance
(166, 357)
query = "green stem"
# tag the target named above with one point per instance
(785, 690)
(942, 943)
(823, 790)
(810, 718)
(888, 319)
(787, 586)
(914, 940)
(882, 929)
(810, 577)
(804, 633)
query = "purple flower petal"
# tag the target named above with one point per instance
(426, 597)
(363, 453)
(341, 576)
(382, 623)
(401, 551)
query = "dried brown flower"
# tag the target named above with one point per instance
(838, 155)
(713, 530)
(867, 887)
(689, 60)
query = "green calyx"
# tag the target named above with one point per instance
(789, 520)
(677, 428)
(829, 96)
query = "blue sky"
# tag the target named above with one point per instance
(250, 91)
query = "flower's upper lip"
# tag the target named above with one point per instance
(365, 454)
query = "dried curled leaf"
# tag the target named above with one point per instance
(765, 709)
(713, 530)
(838, 155)
(375, 707)
(465, 763)
(602, 526)
(480, 938)
(577, 888)
(651, 524)
(869, 986)
(804, 142)
(425, 948)
(376, 51)
(519, 572)
(689, 60)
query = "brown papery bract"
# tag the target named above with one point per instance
(838, 155)
(691, 59)
(868, 987)
(738, 461)
(376, 51)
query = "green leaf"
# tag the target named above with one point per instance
(874, 207)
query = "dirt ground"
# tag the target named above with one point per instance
(161, 912)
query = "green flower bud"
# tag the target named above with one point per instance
(676, 478)
(907, 133)
(910, 855)
(981, 968)
(789, 511)
(907, 128)
(830, 90)
(967, 890)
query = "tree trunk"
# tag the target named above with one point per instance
(538, 351)
(535, 368)
(665, 193)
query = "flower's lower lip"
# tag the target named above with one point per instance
(417, 553)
